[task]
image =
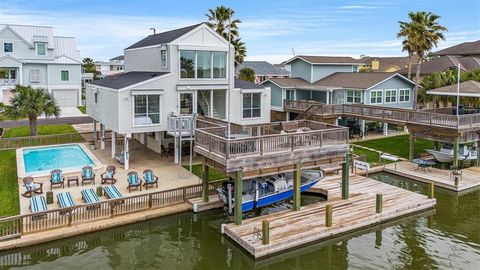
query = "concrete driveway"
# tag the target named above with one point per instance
(69, 112)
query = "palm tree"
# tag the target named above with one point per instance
(424, 33)
(221, 21)
(406, 30)
(30, 103)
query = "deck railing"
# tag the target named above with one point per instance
(15, 226)
(213, 141)
(387, 114)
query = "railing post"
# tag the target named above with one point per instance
(20, 224)
(112, 209)
(150, 202)
(261, 146)
(379, 203)
(184, 194)
(265, 232)
(345, 176)
(328, 215)
(70, 216)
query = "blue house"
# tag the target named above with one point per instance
(336, 80)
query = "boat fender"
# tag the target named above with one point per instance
(195, 208)
(222, 228)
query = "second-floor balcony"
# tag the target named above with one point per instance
(271, 145)
(6, 82)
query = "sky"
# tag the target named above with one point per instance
(272, 30)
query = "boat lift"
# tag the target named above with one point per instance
(182, 128)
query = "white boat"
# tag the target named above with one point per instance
(445, 154)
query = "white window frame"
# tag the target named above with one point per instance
(409, 95)
(294, 94)
(353, 96)
(252, 118)
(354, 68)
(376, 97)
(160, 97)
(163, 58)
(4, 47)
(34, 75)
(395, 93)
(195, 77)
(36, 49)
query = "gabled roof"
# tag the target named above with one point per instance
(466, 48)
(467, 89)
(32, 33)
(313, 59)
(297, 83)
(66, 46)
(262, 68)
(241, 84)
(164, 37)
(442, 63)
(120, 57)
(122, 80)
(356, 80)
(386, 62)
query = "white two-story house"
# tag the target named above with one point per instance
(32, 55)
(184, 71)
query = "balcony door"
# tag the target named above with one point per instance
(186, 102)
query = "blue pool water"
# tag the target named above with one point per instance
(45, 159)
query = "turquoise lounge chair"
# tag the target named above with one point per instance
(65, 199)
(56, 179)
(88, 176)
(112, 192)
(149, 178)
(38, 204)
(89, 196)
(133, 181)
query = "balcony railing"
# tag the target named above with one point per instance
(8, 82)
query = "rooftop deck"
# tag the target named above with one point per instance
(271, 145)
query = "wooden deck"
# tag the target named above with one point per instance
(290, 229)
(441, 178)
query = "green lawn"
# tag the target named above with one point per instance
(8, 184)
(83, 109)
(397, 145)
(212, 173)
(42, 130)
(372, 157)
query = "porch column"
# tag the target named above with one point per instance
(385, 129)
(362, 128)
(405, 129)
(336, 121)
(477, 163)
(125, 152)
(345, 177)
(205, 170)
(455, 152)
(238, 197)
(411, 145)
(94, 134)
(114, 144)
(328, 97)
(102, 136)
(297, 200)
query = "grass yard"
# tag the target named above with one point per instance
(83, 109)
(42, 130)
(8, 182)
(212, 173)
(372, 157)
(397, 145)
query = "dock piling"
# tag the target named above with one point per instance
(205, 170)
(238, 198)
(345, 181)
(411, 145)
(379, 204)
(328, 215)
(296, 187)
(265, 232)
(431, 190)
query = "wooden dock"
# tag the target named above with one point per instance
(290, 229)
(442, 178)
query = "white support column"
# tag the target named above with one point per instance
(126, 152)
(385, 129)
(114, 144)
(405, 129)
(362, 128)
(336, 121)
(328, 97)
(102, 136)
(94, 134)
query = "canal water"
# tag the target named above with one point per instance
(446, 238)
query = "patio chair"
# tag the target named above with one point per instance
(149, 178)
(88, 176)
(56, 179)
(89, 196)
(133, 181)
(112, 192)
(65, 199)
(31, 187)
(38, 204)
(109, 175)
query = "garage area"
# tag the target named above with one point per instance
(66, 98)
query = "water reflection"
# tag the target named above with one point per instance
(448, 237)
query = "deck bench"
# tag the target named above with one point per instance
(332, 169)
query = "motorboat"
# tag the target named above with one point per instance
(445, 154)
(264, 191)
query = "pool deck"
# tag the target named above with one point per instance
(470, 179)
(141, 158)
(291, 229)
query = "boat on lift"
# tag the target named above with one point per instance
(264, 191)
(445, 154)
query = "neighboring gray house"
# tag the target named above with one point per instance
(117, 63)
(180, 72)
(32, 55)
(263, 70)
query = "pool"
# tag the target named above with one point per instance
(39, 161)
